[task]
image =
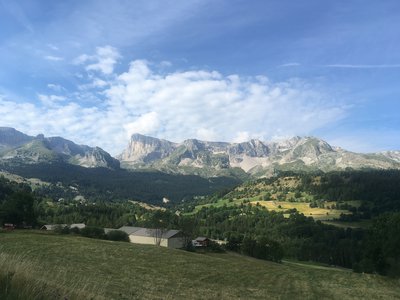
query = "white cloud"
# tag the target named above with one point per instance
(206, 134)
(190, 102)
(50, 99)
(97, 82)
(103, 61)
(165, 64)
(81, 59)
(55, 87)
(241, 136)
(294, 64)
(184, 104)
(53, 58)
(145, 124)
(53, 47)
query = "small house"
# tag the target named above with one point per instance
(9, 226)
(201, 241)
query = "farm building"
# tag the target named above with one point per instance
(165, 238)
(52, 226)
(78, 225)
(129, 229)
(201, 241)
(9, 226)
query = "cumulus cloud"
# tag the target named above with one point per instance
(204, 104)
(179, 105)
(103, 61)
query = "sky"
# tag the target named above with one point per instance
(95, 72)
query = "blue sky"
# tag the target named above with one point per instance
(97, 71)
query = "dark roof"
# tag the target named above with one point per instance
(153, 232)
(130, 229)
(202, 238)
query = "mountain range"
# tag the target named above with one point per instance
(254, 157)
(208, 159)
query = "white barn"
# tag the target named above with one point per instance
(164, 238)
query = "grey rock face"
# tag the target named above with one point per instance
(145, 149)
(253, 148)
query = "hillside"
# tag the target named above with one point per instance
(346, 195)
(46, 266)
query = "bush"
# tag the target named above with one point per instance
(75, 230)
(93, 232)
(215, 247)
(189, 246)
(60, 229)
(117, 235)
(262, 248)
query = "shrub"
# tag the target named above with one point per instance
(61, 229)
(215, 247)
(117, 235)
(93, 232)
(75, 230)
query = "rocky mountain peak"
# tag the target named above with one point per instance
(144, 149)
(10, 138)
(194, 145)
(19, 147)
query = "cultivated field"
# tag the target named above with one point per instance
(36, 265)
(304, 208)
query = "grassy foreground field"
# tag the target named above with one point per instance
(36, 265)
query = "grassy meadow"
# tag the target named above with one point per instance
(37, 265)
